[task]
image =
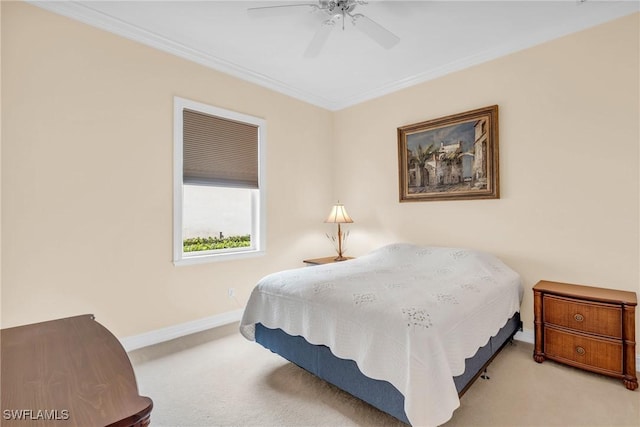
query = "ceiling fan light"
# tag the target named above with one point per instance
(337, 11)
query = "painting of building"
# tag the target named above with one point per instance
(450, 157)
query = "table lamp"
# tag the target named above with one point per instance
(339, 216)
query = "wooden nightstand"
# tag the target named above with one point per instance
(586, 327)
(325, 260)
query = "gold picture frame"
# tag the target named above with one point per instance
(450, 158)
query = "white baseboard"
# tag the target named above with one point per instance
(527, 335)
(176, 331)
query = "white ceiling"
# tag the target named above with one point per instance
(436, 38)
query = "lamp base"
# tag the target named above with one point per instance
(340, 258)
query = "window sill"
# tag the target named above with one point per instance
(229, 256)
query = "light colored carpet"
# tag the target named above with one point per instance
(217, 378)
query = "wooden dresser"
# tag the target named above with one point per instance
(68, 372)
(586, 327)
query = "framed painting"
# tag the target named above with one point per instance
(450, 158)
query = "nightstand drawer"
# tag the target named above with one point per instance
(580, 315)
(588, 352)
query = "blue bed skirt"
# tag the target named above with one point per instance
(320, 361)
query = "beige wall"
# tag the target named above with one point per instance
(569, 137)
(87, 164)
(87, 178)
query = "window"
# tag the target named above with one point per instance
(219, 194)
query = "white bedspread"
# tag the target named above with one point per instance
(406, 314)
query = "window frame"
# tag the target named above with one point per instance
(258, 198)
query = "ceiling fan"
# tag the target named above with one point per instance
(338, 11)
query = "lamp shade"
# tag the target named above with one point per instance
(338, 215)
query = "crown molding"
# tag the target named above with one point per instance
(616, 11)
(80, 12)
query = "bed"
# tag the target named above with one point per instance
(405, 327)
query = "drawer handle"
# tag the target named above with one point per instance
(578, 317)
(580, 350)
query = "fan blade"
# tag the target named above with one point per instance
(377, 32)
(280, 10)
(319, 39)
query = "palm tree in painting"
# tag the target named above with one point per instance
(418, 160)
